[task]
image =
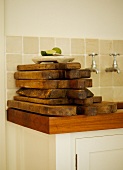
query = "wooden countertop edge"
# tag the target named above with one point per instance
(29, 120)
(86, 123)
(58, 125)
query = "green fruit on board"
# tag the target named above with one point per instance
(57, 49)
(50, 52)
(43, 53)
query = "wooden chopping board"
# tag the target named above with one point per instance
(42, 93)
(55, 84)
(64, 110)
(80, 73)
(89, 100)
(45, 74)
(79, 94)
(60, 110)
(86, 102)
(56, 101)
(97, 99)
(98, 108)
(51, 66)
(60, 101)
(52, 74)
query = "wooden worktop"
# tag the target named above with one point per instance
(67, 124)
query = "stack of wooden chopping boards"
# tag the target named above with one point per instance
(57, 89)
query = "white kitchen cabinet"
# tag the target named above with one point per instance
(28, 149)
(100, 153)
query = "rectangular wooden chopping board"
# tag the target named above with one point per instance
(52, 74)
(60, 101)
(42, 93)
(66, 110)
(49, 66)
(57, 101)
(55, 84)
(98, 108)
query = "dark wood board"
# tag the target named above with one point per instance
(54, 84)
(97, 99)
(60, 101)
(37, 75)
(52, 74)
(79, 94)
(98, 108)
(58, 110)
(80, 73)
(86, 102)
(106, 107)
(51, 66)
(120, 105)
(41, 93)
(76, 94)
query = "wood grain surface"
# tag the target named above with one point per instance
(58, 110)
(86, 102)
(58, 125)
(98, 108)
(62, 110)
(80, 73)
(51, 66)
(55, 84)
(60, 101)
(37, 75)
(97, 99)
(41, 93)
(52, 74)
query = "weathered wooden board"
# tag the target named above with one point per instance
(81, 73)
(88, 82)
(106, 107)
(97, 99)
(41, 93)
(62, 110)
(51, 66)
(45, 74)
(60, 101)
(79, 94)
(52, 74)
(98, 108)
(76, 94)
(87, 110)
(86, 102)
(54, 84)
(120, 105)
(89, 93)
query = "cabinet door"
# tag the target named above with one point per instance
(29, 150)
(100, 153)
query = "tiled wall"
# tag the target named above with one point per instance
(21, 50)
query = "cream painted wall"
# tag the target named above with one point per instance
(65, 18)
(2, 92)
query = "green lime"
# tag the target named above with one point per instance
(57, 49)
(50, 52)
(43, 53)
